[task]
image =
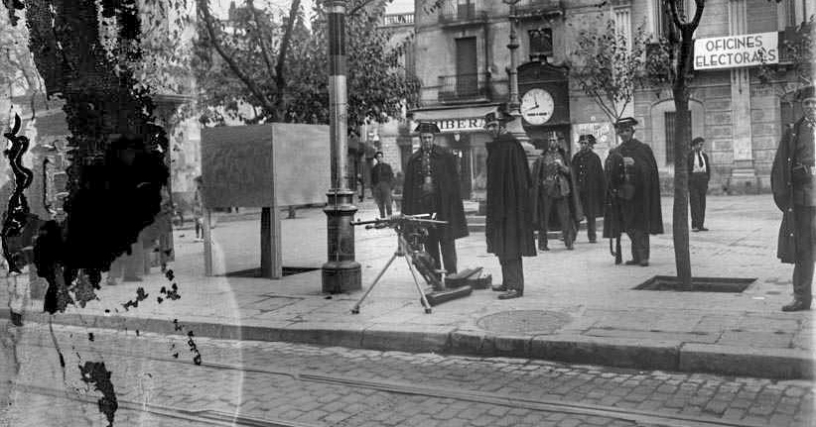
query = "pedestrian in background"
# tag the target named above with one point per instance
(399, 183)
(633, 181)
(382, 180)
(591, 183)
(198, 210)
(432, 187)
(509, 221)
(553, 190)
(699, 172)
(792, 179)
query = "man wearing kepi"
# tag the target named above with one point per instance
(632, 178)
(792, 178)
(509, 222)
(591, 183)
(432, 187)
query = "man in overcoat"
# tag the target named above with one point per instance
(634, 183)
(792, 179)
(382, 180)
(509, 221)
(591, 182)
(699, 173)
(554, 189)
(432, 187)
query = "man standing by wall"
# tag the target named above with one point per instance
(509, 222)
(634, 182)
(432, 187)
(382, 179)
(792, 178)
(699, 172)
(591, 183)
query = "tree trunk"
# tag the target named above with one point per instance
(680, 230)
(682, 137)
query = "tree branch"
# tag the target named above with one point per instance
(264, 49)
(204, 10)
(280, 81)
(675, 14)
(698, 14)
(357, 8)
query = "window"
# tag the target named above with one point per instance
(466, 75)
(671, 117)
(623, 25)
(664, 27)
(465, 9)
(540, 43)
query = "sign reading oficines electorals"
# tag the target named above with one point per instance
(744, 50)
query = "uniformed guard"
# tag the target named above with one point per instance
(633, 180)
(792, 178)
(432, 187)
(589, 177)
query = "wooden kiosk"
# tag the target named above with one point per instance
(270, 166)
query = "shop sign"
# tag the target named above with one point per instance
(460, 125)
(746, 50)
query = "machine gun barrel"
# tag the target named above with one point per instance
(408, 219)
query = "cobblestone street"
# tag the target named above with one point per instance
(264, 383)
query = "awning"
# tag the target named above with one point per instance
(454, 119)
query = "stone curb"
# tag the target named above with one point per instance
(617, 352)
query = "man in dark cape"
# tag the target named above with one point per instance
(554, 187)
(509, 222)
(432, 186)
(792, 183)
(591, 182)
(634, 184)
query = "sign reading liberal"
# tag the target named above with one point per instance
(457, 125)
(746, 50)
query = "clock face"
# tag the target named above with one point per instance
(537, 106)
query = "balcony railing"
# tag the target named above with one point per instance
(462, 14)
(398, 19)
(791, 42)
(463, 87)
(539, 9)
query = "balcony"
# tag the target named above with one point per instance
(537, 9)
(398, 20)
(793, 45)
(464, 88)
(462, 15)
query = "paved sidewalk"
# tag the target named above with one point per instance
(578, 306)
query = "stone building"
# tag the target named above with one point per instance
(462, 59)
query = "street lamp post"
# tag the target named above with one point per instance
(513, 105)
(341, 273)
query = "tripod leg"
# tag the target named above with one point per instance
(424, 300)
(356, 308)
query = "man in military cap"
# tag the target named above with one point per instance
(792, 178)
(509, 221)
(589, 176)
(432, 187)
(633, 180)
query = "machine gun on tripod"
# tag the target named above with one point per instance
(411, 233)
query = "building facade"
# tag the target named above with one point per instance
(462, 59)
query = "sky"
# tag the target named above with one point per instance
(220, 7)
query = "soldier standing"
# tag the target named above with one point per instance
(591, 183)
(634, 183)
(509, 222)
(553, 189)
(432, 187)
(792, 178)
